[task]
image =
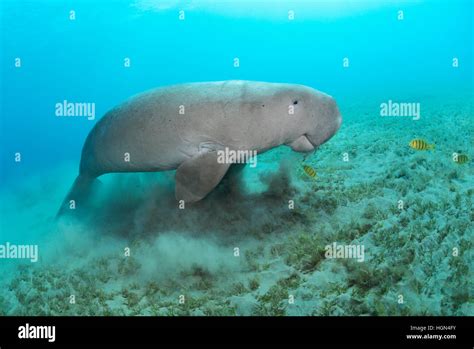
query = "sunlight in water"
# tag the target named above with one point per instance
(273, 9)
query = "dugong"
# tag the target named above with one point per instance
(184, 127)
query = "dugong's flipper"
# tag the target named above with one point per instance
(196, 177)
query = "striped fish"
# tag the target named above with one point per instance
(461, 159)
(309, 171)
(420, 144)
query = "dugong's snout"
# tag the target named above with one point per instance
(327, 120)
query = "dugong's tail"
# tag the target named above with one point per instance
(78, 195)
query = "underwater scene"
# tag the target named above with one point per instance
(242, 158)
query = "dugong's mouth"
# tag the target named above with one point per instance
(316, 141)
(313, 143)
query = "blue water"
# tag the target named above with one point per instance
(82, 60)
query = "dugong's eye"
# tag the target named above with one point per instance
(295, 102)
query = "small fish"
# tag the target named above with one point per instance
(420, 144)
(309, 171)
(461, 159)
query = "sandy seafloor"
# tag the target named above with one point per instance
(408, 252)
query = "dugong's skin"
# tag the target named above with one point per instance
(239, 115)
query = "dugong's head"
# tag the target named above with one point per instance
(316, 115)
(325, 118)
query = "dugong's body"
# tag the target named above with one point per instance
(184, 126)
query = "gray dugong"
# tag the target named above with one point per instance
(184, 126)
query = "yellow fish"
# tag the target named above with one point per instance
(461, 159)
(419, 144)
(309, 171)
